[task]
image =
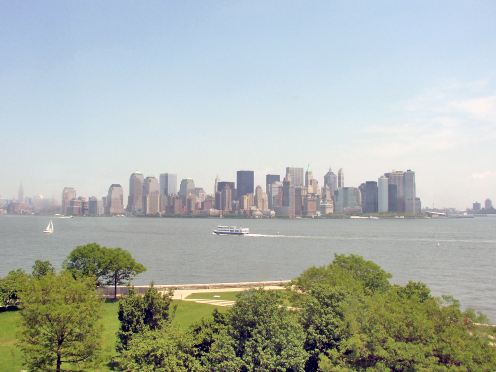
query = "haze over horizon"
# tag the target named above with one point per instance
(91, 92)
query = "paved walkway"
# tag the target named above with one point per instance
(181, 294)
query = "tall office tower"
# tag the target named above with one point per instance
(135, 198)
(476, 206)
(93, 206)
(187, 190)
(151, 195)
(226, 199)
(222, 184)
(200, 194)
(410, 192)
(358, 196)
(392, 197)
(67, 195)
(288, 197)
(418, 205)
(326, 193)
(300, 194)
(308, 180)
(273, 194)
(271, 178)
(383, 195)
(370, 204)
(397, 178)
(83, 206)
(20, 195)
(246, 182)
(168, 184)
(296, 175)
(258, 201)
(488, 204)
(331, 180)
(345, 198)
(216, 186)
(340, 178)
(115, 200)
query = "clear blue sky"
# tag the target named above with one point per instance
(92, 91)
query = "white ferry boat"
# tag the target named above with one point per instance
(231, 230)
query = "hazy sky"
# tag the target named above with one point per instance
(91, 91)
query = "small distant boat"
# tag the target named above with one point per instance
(49, 228)
(231, 230)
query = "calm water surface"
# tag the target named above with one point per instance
(184, 251)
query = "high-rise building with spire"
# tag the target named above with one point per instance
(20, 194)
(331, 180)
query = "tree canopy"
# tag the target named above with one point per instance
(11, 287)
(60, 322)
(109, 266)
(41, 268)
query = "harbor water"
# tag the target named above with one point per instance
(452, 256)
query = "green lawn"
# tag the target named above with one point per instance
(11, 358)
(227, 296)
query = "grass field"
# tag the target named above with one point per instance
(226, 296)
(11, 358)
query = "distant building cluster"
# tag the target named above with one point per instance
(295, 194)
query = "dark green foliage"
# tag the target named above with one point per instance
(261, 335)
(140, 313)
(109, 266)
(11, 287)
(60, 322)
(351, 271)
(165, 349)
(41, 268)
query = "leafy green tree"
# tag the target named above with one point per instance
(261, 335)
(140, 313)
(165, 349)
(323, 319)
(87, 260)
(120, 267)
(11, 287)
(351, 271)
(390, 331)
(109, 266)
(60, 322)
(41, 268)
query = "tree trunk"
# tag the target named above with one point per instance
(115, 286)
(59, 362)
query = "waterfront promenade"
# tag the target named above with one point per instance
(180, 292)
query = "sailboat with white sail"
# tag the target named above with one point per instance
(49, 228)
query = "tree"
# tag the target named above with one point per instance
(41, 268)
(120, 267)
(87, 260)
(60, 322)
(11, 287)
(109, 266)
(262, 335)
(140, 313)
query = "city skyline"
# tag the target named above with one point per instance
(90, 92)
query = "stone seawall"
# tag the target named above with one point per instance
(122, 290)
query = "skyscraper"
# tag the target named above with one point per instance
(168, 184)
(383, 195)
(331, 180)
(115, 200)
(410, 192)
(296, 175)
(245, 182)
(271, 178)
(135, 198)
(340, 178)
(67, 195)
(397, 178)
(288, 198)
(151, 195)
(370, 203)
(20, 195)
(308, 180)
(187, 190)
